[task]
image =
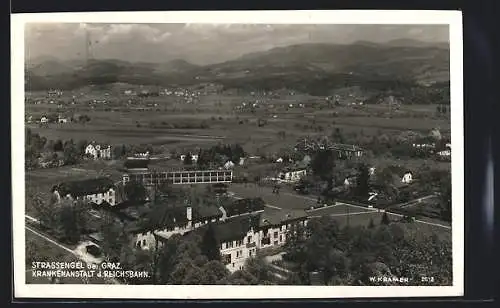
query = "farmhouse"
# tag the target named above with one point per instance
(97, 190)
(97, 151)
(292, 175)
(407, 177)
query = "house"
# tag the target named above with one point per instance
(306, 161)
(229, 165)
(242, 161)
(164, 220)
(142, 155)
(194, 157)
(407, 177)
(346, 151)
(371, 171)
(98, 191)
(61, 119)
(292, 175)
(445, 154)
(44, 120)
(240, 238)
(97, 151)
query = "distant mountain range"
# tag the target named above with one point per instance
(312, 68)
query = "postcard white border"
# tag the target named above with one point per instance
(451, 18)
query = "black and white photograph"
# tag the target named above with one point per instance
(218, 155)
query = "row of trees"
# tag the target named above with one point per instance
(218, 155)
(66, 220)
(351, 255)
(36, 145)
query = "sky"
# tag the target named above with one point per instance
(202, 43)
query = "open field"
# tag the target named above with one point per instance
(213, 118)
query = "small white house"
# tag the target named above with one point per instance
(229, 165)
(445, 153)
(371, 171)
(292, 175)
(407, 177)
(44, 120)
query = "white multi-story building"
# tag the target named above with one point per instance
(97, 151)
(241, 237)
(168, 221)
(98, 191)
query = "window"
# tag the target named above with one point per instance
(239, 243)
(239, 254)
(226, 259)
(275, 243)
(276, 234)
(249, 239)
(143, 242)
(233, 265)
(266, 241)
(251, 253)
(230, 244)
(281, 238)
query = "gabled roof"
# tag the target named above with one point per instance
(165, 215)
(85, 187)
(136, 163)
(203, 212)
(242, 206)
(273, 217)
(235, 228)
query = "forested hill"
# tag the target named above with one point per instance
(310, 68)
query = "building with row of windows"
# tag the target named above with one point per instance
(98, 191)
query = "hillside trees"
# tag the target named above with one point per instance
(351, 255)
